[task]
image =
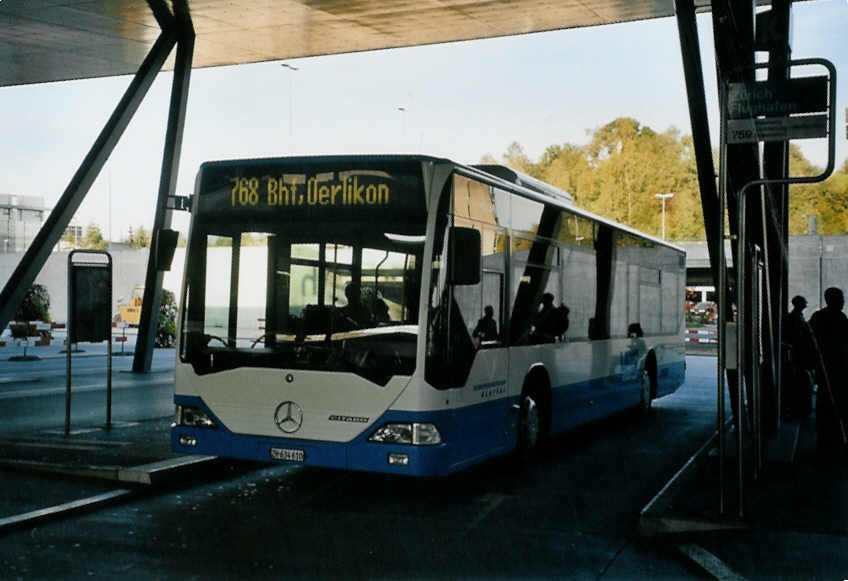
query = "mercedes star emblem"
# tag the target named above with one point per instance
(288, 417)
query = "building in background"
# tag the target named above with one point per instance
(21, 218)
(72, 238)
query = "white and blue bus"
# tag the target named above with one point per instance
(411, 315)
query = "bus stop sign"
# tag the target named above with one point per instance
(766, 111)
(89, 297)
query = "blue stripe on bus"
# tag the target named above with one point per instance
(469, 435)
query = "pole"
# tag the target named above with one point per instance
(109, 351)
(402, 122)
(663, 197)
(292, 70)
(69, 327)
(723, 307)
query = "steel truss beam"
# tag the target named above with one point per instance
(51, 232)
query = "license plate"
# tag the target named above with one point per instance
(289, 454)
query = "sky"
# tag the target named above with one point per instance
(459, 100)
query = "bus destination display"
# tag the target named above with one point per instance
(330, 189)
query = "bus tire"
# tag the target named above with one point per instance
(533, 426)
(646, 400)
(648, 383)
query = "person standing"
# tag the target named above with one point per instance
(799, 362)
(830, 327)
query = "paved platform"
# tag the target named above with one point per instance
(133, 452)
(794, 519)
(794, 524)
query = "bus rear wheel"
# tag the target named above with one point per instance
(532, 427)
(646, 393)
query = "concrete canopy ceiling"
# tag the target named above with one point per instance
(56, 40)
(53, 40)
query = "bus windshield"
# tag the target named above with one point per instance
(292, 291)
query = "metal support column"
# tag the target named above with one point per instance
(693, 72)
(733, 30)
(51, 232)
(711, 203)
(773, 28)
(167, 186)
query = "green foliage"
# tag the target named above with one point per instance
(518, 160)
(35, 306)
(138, 238)
(826, 201)
(93, 238)
(625, 164)
(254, 239)
(69, 238)
(166, 330)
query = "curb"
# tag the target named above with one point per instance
(145, 474)
(74, 507)
(653, 521)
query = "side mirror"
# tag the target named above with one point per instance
(165, 245)
(464, 248)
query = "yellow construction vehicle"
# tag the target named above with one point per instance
(130, 312)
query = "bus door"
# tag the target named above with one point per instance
(482, 406)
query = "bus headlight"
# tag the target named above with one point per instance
(414, 433)
(192, 417)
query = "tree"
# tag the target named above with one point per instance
(35, 306)
(827, 201)
(518, 160)
(625, 164)
(139, 238)
(70, 238)
(93, 238)
(166, 329)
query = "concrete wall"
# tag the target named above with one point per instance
(815, 263)
(128, 270)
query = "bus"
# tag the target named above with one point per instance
(411, 315)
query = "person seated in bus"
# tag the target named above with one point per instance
(487, 327)
(638, 347)
(355, 312)
(381, 312)
(551, 322)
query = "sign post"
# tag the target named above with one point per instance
(754, 112)
(89, 315)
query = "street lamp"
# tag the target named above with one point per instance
(402, 121)
(663, 197)
(292, 69)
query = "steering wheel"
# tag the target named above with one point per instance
(209, 338)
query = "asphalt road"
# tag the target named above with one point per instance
(574, 515)
(32, 394)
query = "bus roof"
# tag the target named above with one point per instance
(531, 183)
